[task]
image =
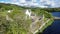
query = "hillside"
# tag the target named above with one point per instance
(14, 22)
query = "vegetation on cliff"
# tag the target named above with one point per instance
(17, 23)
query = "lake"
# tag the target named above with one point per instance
(55, 26)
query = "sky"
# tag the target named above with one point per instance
(36, 3)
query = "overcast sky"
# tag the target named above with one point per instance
(39, 3)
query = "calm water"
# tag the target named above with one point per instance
(55, 27)
(56, 14)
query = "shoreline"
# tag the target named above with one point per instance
(47, 22)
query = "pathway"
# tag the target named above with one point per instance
(42, 26)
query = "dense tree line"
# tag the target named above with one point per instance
(52, 9)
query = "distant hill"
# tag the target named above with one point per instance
(13, 6)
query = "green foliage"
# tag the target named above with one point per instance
(19, 25)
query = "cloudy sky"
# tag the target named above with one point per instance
(37, 3)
